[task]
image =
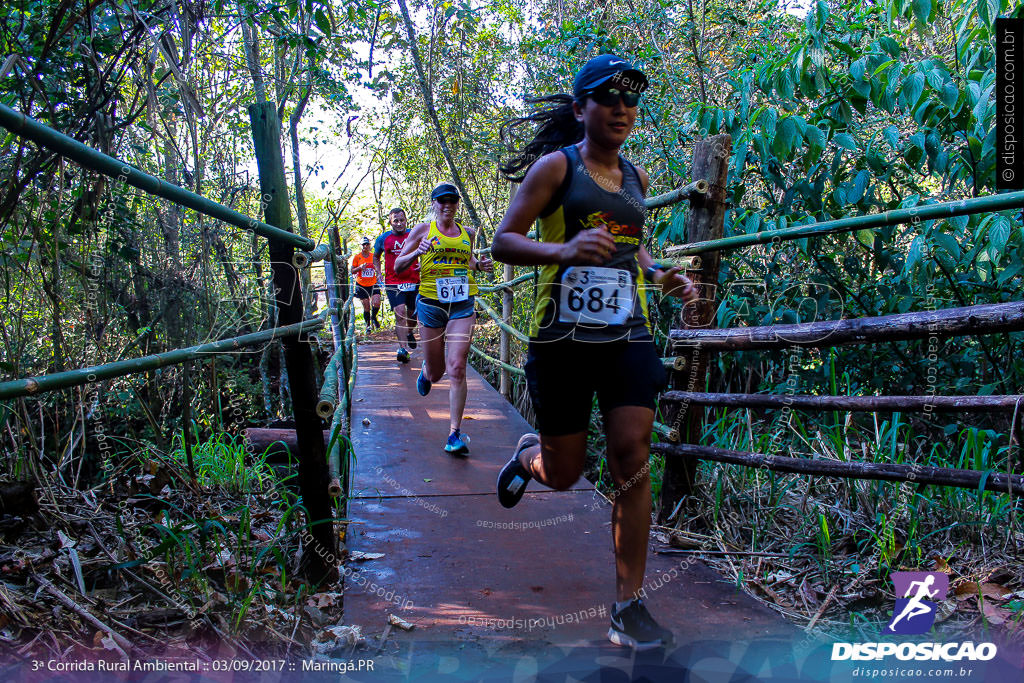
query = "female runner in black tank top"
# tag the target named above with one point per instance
(590, 204)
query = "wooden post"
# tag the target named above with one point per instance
(505, 351)
(319, 548)
(705, 221)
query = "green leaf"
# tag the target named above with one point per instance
(959, 223)
(892, 136)
(987, 11)
(999, 233)
(865, 237)
(846, 49)
(891, 46)
(882, 67)
(1008, 273)
(816, 139)
(846, 141)
(821, 13)
(770, 119)
(860, 184)
(753, 224)
(948, 243)
(949, 95)
(857, 69)
(922, 10)
(913, 86)
(784, 140)
(915, 253)
(322, 22)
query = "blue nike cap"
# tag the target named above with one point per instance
(606, 67)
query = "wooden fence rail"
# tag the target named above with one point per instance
(998, 482)
(949, 322)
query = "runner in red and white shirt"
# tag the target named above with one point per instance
(401, 288)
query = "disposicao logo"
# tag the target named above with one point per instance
(915, 611)
(914, 614)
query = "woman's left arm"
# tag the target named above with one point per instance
(671, 282)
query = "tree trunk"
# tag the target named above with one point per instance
(428, 101)
(300, 199)
(251, 46)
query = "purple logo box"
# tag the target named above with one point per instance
(916, 595)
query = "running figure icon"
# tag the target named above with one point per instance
(917, 594)
(915, 606)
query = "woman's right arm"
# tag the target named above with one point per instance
(412, 247)
(510, 243)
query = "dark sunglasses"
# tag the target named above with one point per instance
(447, 199)
(609, 97)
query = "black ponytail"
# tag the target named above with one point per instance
(555, 127)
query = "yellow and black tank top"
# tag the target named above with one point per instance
(444, 270)
(590, 303)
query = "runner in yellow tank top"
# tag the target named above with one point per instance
(444, 306)
(444, 269)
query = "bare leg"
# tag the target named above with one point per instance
(433, 351)
(458, 333)
(366, 313)
(401, 325)
(558, 461)
(628, 433)
(375, 305)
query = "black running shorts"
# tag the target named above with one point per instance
(364, 292)
(563, 375)
(407, 298)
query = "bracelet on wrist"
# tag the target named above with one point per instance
(649, 271)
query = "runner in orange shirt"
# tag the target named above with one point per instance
(367, 290)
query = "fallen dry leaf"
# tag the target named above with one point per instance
(944, 610)
(969, 589)
(993, 614)
(360, 556)
(401, 623)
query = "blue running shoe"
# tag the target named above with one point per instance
(422, 383)
(456, 444)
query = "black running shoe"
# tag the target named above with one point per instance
(634, 627)
(412, 340)
(402, 356)
(513, 478)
